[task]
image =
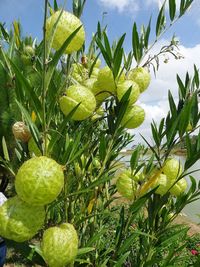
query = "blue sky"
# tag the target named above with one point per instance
(120, 17)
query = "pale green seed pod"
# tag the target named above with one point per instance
(39, 181)
(20, 221)
(179, 187)
(172, 168)
(67, 24)
(77, 94)
(123, 87)
(126, 185)
(60, 245)
(133, 117)
(141, 76)
(164, 184)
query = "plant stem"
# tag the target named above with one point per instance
(44, 126)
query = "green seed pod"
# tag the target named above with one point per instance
(60, 245)
(141, 76)
(105, 80)
(133, 117)
(123, 87)
(20, 221)
(39, 181)
(76, 94)
(126, 185)
(67, 24)
(164, 184)
(179, 187)
(172, 168)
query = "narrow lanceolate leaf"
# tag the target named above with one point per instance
(155, 134)
(117, 62)
(147, 34)
(57, 135)
(188, 146)
(195, 111)
(82, 251)
(161, 20)
(172, 105)
(34, 130)
(184, 5)
(196, 76)
(172, 9)
(4, 32)
(134, 158)
(118, 54)
(106, 56)
(123, 105)
(119, 45)
(25, 85)
(122, 260)
(185, 116)
(55, 5)
(107, 45)
(99, 31)
(136, 43)
(5, 149)
(102, 148)
(182, 88)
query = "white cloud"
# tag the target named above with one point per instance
(121, 5)
(130, 6)
(155, 99)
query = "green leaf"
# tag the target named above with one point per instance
(93, 64)
(155, 134)
(127, 243)
(136, 43)
(172, 9)
(96, 237)
(118, 54)
(55, 5)
(106, 57)
(172, 105)
(122, 107)
(196, 76)
(173, 237)
(5, 149)
(58, 134)
(147, 34)
(185, 117)
(190, 161)
(4, 32)
(107, 45)
(184, 5)
(102, 148)
(33, 129)
(135, 157)
(120, 228)
(188, 145)
(31, 94)
(122, 260)
(193, 186)
(99, 32)
(171, 130)
(85, 250)
(161, 20)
